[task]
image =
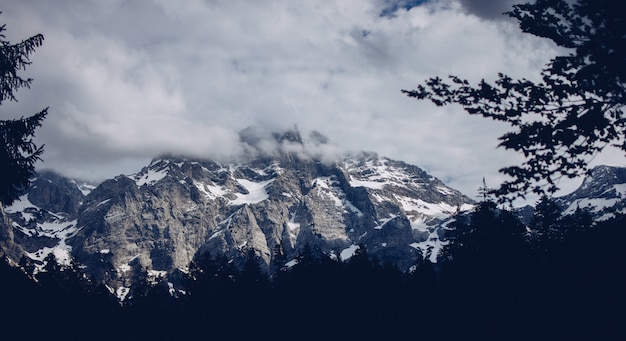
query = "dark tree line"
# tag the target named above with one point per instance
(558, 278)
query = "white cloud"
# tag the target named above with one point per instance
(126, 81)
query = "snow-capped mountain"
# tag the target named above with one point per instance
(41, 221)
(285, 194)
(155, 222)
(602, 193)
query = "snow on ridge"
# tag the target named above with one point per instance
(62, 253)
(219, 229)
(348, 252)
(366, 183)
(620, 189)
(122, 292)
(61, 230)
(256, 192)
(19, 205)
(211, 191)
(419, 223)
(431, 247)
(594, 204)
(379, 173)
(444, 190)
(439, 210)
(598, 204)
(150, 177)
(84, 187)
(385, 221)
(292, 223)
(326, 183)
(54, 230)
(353, 208)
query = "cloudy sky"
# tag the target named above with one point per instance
(127, 80)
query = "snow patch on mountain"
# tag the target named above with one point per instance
(178, 208)
(439, 210)
(256, 192)
(371, 171)
(149, 177)
(602, 193)
(348, 252)
(366, 183)
(62, 253)
(20, 206)
(293, 226)
(431, 247)
(38, 223)
(84, 187)
(384, 221)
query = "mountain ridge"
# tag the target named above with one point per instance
(154, 223)
(160, 218)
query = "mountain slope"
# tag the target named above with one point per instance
(602, 193)
(155, 222)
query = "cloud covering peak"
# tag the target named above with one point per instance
(128, 80)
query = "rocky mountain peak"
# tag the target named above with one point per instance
(153, 223)
(602, 193)
(289, 136)
(55, 193)
(260, 141)
(255, 135)
(600, 179)
(177, 208)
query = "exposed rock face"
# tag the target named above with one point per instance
(43, 219)
(602, 193)
(155, 222)
(282, 197)
(55, 193)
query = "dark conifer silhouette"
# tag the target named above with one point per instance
(547, 221)
(18, 152)
(495, 288)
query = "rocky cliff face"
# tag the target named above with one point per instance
(602, 193)
(41, 221)
(284, 195)
(156, 221)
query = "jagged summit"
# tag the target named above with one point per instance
(156, 221)
(294, 190)
(291, 136)
(254, 135)
(262, 141)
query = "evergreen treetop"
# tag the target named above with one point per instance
(18, 152)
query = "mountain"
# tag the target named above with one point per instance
(285, 194)
(40, 222)
(602, 193)
(288, 192)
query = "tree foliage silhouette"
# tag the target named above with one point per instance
(18, 152)
(548, 217)
(573, 113)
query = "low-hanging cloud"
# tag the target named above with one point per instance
(126, 81)
(489, 9)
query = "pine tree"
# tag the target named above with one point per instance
(484, 192)
(547, 220)
(18, 152)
